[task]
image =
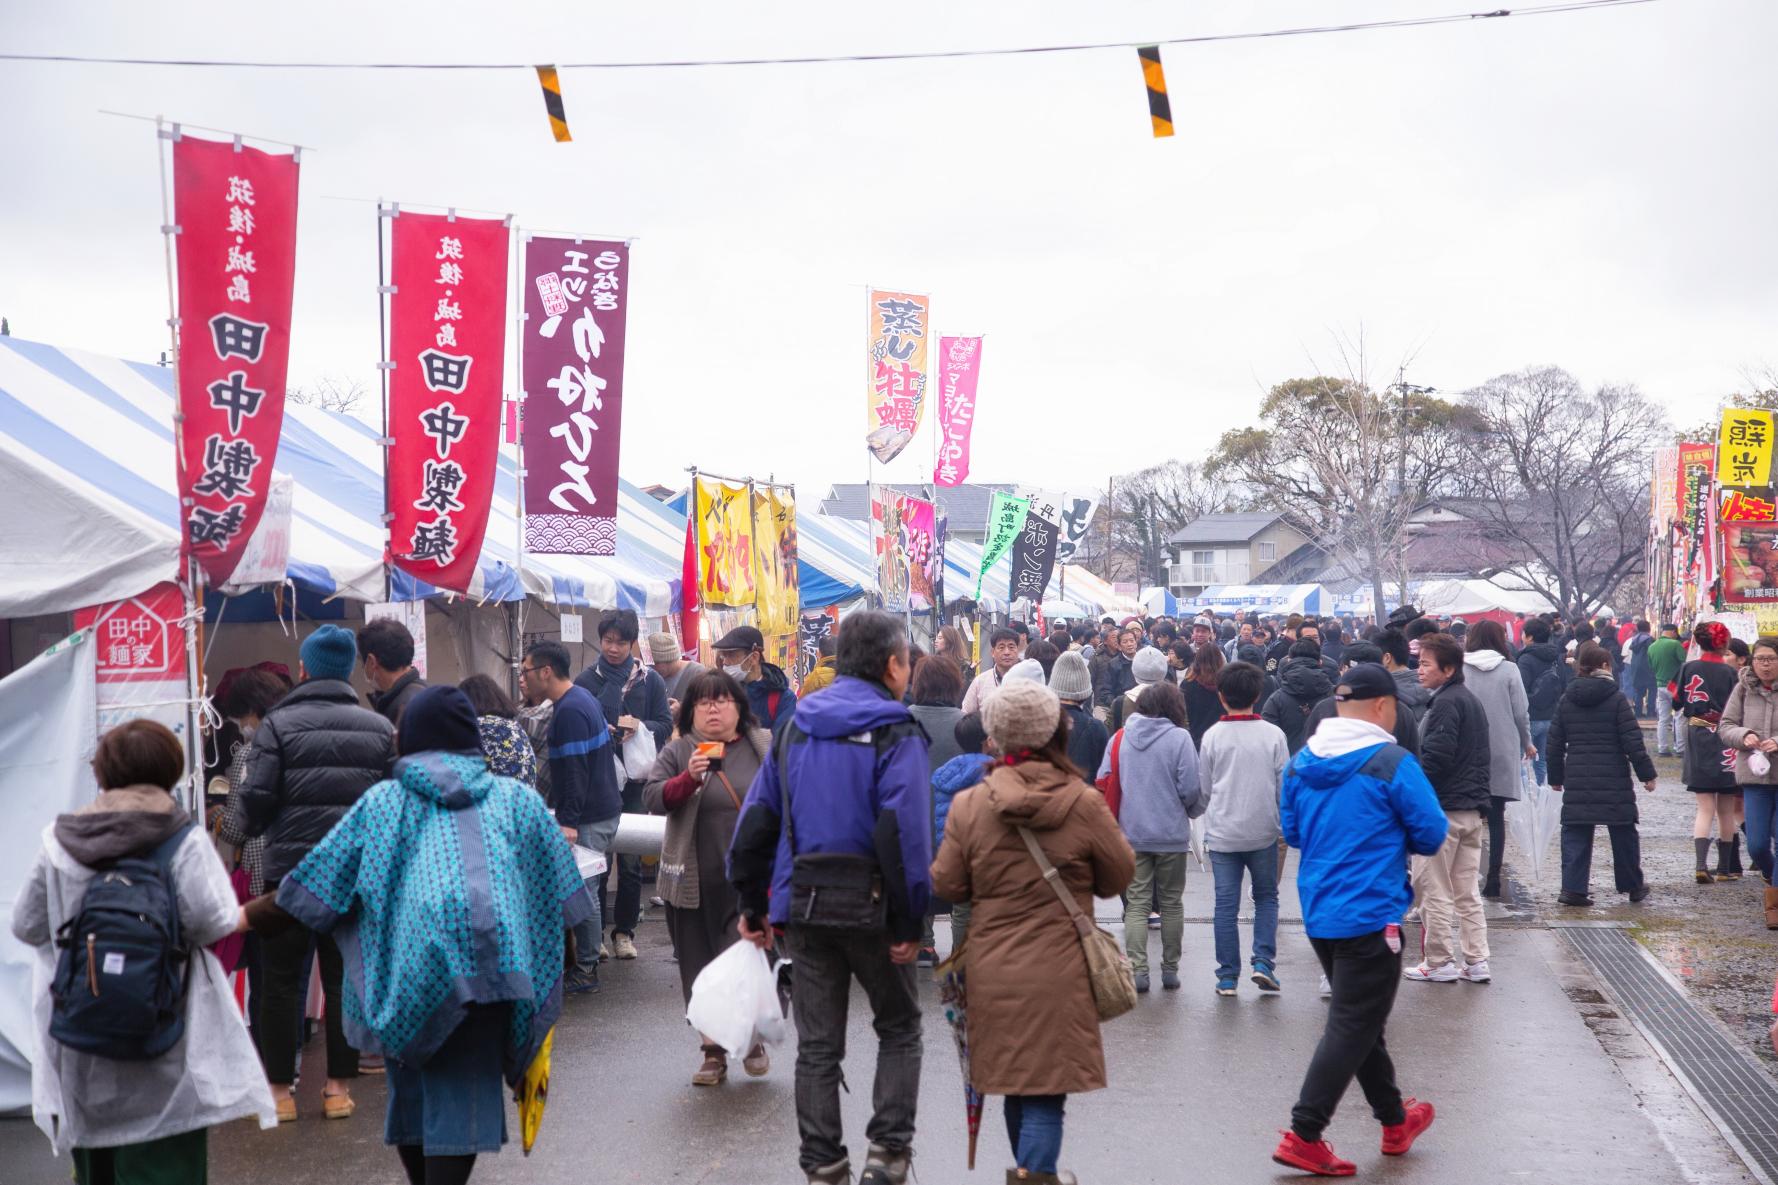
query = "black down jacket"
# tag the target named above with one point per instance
(1302, 683)
(1454, 747)
(1594, 742)
(313, 756)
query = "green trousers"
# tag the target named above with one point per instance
(171, 1160)
(1163, 871)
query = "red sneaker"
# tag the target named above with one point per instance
(1399, 1137)
(1317, 1158)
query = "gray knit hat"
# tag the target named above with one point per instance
(1070, 679)
(1022, 715)
(1149, 666)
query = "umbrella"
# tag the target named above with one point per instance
(1532, 820)
(954, 997)
(532, 1093)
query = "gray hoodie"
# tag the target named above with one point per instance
(1158, 774)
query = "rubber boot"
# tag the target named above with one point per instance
(1735, 869)
(1702, 848)
(1771, 908)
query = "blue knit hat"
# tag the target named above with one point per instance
(329, 653)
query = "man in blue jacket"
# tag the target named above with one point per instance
(1356, 804)
(851, 767)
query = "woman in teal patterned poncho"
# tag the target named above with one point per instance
(449, 890)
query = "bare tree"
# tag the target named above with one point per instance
(1130, 539)
(1561, 475)
(329, 393)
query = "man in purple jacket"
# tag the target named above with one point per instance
(851, 767)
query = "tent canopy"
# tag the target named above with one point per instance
(1266, 598)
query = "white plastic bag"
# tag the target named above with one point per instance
(734, 1001)
(639, 754)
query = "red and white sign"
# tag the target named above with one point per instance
(139, 639)
(235, 208)
(447, 338)
(959, 369)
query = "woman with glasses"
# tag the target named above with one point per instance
(1750, 728)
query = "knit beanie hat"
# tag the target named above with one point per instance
(1069, 678)
(664, 648)
(329, 653)
(1022, 715)
(1149, 665)
(438, 718)
(1025, 670)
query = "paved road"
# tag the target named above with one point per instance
(1199, 1088)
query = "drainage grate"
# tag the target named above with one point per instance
(1733, 1089)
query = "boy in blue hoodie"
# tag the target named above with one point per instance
(1356, 804)
(951, 779)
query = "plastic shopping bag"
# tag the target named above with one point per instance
(734, 1001)
(639, 755)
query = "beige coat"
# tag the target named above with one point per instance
(1033, 1027)
(1751, 709)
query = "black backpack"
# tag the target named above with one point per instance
(1545, 692)
(122, 974)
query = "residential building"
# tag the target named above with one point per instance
(1242, 548)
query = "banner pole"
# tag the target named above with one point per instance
(870, 518)
(518, 445)
(383, 364)
(191, 577)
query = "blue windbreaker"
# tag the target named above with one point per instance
(854, 759)
(1355, 829)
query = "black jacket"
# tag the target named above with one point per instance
(313, 756)
(1087, 738)
(1115, 678)
(1541, 694)
(1594, 742)
(1203, 707)
(1704, 690)
(1407, 729)
(392, 703)
(1302, 683)
(1454, 747)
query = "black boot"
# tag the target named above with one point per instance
(1729, 870)
(1702, 872)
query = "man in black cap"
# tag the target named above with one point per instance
(1356, 804)
(741, 655)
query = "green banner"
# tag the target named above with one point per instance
(1006, 518)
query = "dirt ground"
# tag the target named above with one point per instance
(1712, 937)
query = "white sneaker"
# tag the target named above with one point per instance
(1476, 972)
(1427, 974)
(1326, 988)
(623, 946)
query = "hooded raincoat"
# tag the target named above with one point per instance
(212, 1075)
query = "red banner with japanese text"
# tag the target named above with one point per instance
(576, 295)
(897, 360)
(959, 369)
(447, 338)
(235, 210)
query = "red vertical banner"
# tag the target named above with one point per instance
(447, 338)
(689, 583)
(235, 210)
(577, 299)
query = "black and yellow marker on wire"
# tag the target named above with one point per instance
(552, 103)
(1160, 111)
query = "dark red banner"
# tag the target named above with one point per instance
(235, 208)
(577, 296)
(447, 338)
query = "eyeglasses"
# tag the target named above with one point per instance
(1765, 658)
(523, 671)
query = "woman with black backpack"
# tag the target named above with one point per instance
(124, 897)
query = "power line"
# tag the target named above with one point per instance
(911, 56)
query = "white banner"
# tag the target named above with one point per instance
(268, 551)
(409, 613)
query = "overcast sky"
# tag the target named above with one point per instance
(1593, 190)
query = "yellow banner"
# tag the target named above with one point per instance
(1744, 447)
(897, 340)
(774, 550)
(725, 544)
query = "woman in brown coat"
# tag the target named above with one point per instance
(701, 796)
(1033, 1026)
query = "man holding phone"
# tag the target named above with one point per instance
(632, 697)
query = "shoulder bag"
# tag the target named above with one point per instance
(1108, 968)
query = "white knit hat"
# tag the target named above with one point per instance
(1022, 715)
(1026, 669)
(1149, 666)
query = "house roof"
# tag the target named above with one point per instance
(1223, 528)
(967, 504)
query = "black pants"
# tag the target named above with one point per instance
(1496, 836)
(286, 956)
(433, 1170)
(1577, 857)
(824, 963)
(1364, 973)
(626, 911)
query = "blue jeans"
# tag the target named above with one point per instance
(455, 1104)
(1762, 805)
(590, 934)
(1034, 1126)
(1540, 733)
(1227, 867)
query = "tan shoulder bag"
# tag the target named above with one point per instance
(1108, 968)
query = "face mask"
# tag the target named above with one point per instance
(736, 673)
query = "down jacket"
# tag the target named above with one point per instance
(1302, 683)
(1033, 1027)
(1752, 708)
(1594, 742)
(1454, 747)
(314, 755)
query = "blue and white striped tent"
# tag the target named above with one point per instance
(1266, 598)
(86, 456)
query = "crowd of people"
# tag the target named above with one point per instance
(443, 856)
